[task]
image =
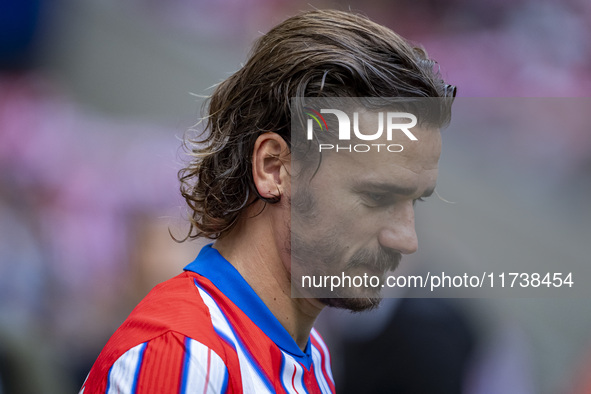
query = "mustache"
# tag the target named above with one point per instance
(382, 259)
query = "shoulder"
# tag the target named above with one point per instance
(167, 344)
(174, 305)
(169, 363)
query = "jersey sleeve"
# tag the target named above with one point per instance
(169, 364)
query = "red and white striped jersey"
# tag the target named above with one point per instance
(206, 331)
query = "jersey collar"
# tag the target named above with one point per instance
(213, 266)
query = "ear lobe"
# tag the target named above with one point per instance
(270, 166)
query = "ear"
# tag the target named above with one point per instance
(271, 166)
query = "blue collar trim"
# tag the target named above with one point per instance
(213, 266)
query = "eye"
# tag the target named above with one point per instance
(377, 199)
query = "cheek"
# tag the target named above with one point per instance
(347, 214)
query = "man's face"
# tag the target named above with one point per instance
(355, 216)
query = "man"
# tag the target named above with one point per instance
(229, 323)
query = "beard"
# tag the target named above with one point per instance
(322, 256)
(320, 262)
(383, 261)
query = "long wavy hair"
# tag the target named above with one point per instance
(314, 54)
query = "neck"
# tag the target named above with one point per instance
(251, 247)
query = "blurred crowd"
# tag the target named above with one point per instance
(87, 197)
(76, 189)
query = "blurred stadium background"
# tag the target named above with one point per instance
(95, 96)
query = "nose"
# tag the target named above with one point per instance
(398, 232)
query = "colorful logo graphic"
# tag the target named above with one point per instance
(354, 128)
(315, 115)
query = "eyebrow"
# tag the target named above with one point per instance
(394, 189)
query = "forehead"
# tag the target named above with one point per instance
(422, 152)
(407, 164)
(397, 158)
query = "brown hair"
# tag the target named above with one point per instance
(314, 54)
